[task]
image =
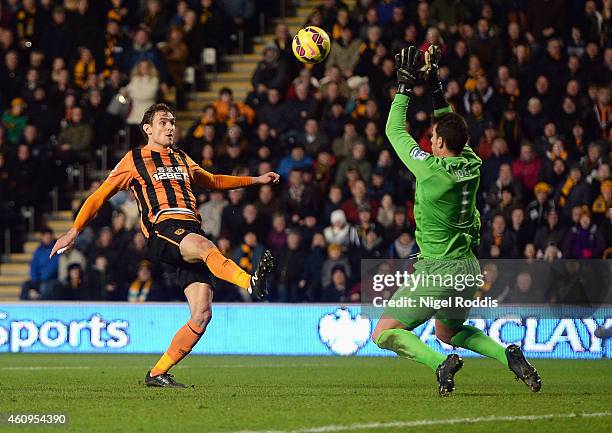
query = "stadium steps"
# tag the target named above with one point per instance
(15, 269)
(240, 68)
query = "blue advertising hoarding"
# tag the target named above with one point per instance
(276, 329)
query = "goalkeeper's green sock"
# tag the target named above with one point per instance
(408, 345)
(477, 341)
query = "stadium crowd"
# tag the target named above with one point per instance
(532, 79)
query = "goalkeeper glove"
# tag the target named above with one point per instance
(407, 64)
(430, 69)
(430, 75)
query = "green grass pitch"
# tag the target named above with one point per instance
(104, 393)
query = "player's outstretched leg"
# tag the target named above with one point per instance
(522, 368)
(199, 297)
(195, 247)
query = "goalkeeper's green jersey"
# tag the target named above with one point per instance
(447, 221)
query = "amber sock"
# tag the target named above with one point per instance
(226, 269)
(182, 343)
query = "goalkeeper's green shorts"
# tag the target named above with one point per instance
(441, 292)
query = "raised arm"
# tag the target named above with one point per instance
(208, 180)
(418, 161)
(119, 178)
(438, 101)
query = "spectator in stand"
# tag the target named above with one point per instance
(73, 284)
(404, 247)
(213, 209)
(583, 241)
(43, 271)
(337, 290)
(68, 259)
(298, 197)
(498, 243)
(297, 159)
(538, 209)
(603, 202)
(575, 192)
(24, 177)
(78, 134)
(344, 52)
(552, 233)
(490, 167)
(289, 269)
(521, 229)
(335, 257)
(248, 252)
(524, 291)
(143, 49)
(100, 281)
(214, 24)
(340, 232)
(144, 287)
(15, 120)
(58, 38)
(525, 170)
(271, 71)
(142, 91)
(176, 55)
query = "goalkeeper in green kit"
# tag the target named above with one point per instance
(447, 229)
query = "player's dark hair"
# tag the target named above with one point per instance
(147, 118)
(451, 127)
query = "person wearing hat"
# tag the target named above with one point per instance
(340, 232)
(14, 120)
(538, 208)
(335, 257)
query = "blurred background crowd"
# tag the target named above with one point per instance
(532, 79)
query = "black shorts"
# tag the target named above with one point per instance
(163, 244)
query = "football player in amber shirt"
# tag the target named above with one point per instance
(160, 175)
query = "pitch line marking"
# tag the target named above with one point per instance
(430, 422)
(86, 367)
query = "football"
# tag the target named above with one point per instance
(311, 45)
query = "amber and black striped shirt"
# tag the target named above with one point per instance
(161, 182)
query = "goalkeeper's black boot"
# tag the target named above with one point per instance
(164, 380)
(259, 286)
(522, 368)
(446, 374)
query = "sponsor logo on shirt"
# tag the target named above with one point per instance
(419, 154)
(173, 172)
